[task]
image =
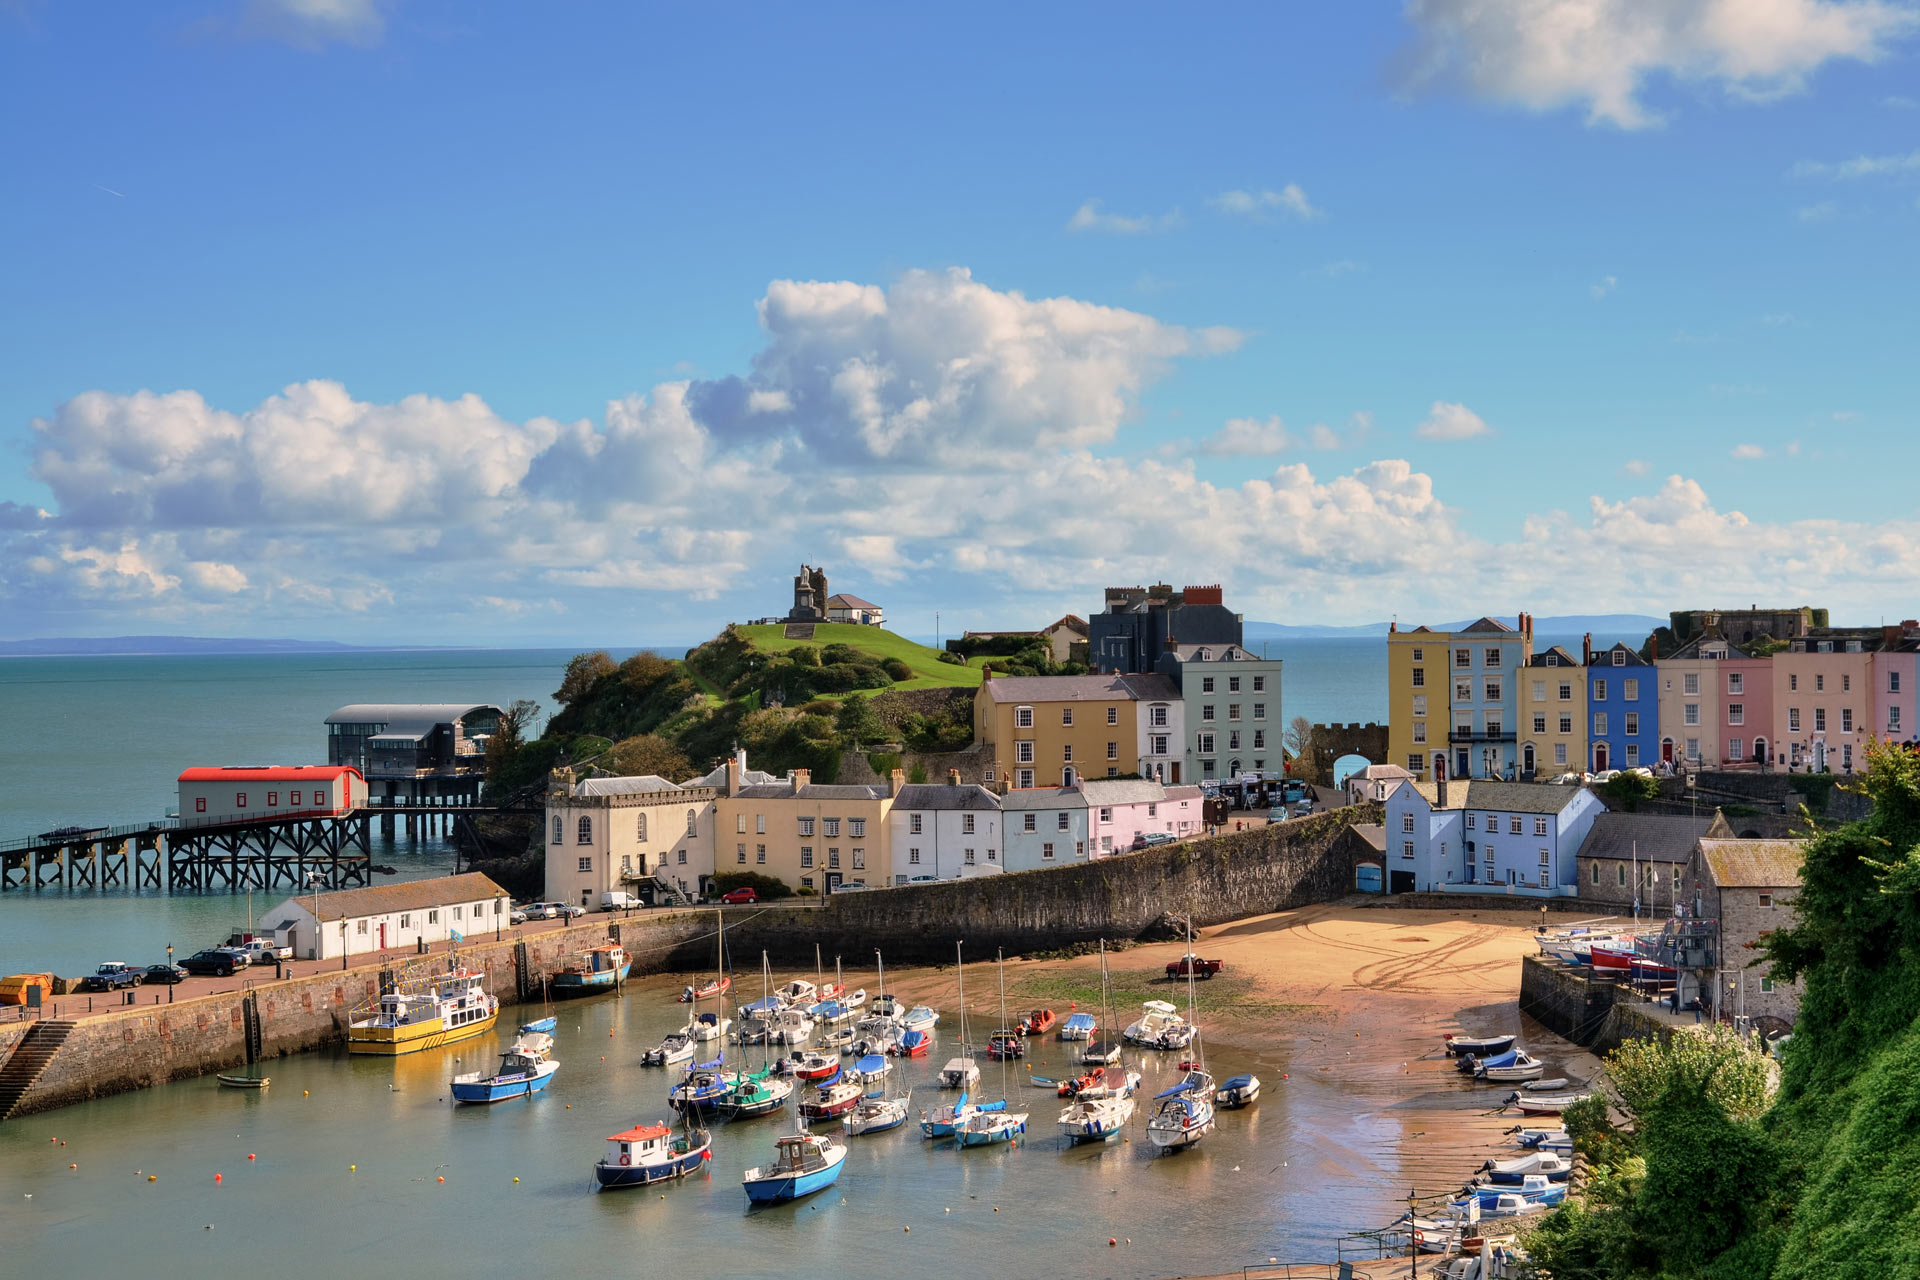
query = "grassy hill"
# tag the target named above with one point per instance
(928, 671)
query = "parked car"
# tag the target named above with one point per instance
(924, 880)
(1304, 809)
(735, 897)
(260, 951)
(852, 886)
(214, 960)
(111, 976)
(166, 974)
(1277, 814)
(542, 910)
(241, 956)
(517, 916)
(567, 911)
(619, 901)
(1191, 963)
(1153, 838)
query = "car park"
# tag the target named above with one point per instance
(542, 910)
(217, 961)
(744, 894)
(567, 911)
(165, 974)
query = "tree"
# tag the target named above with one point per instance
(1716, 1060)
(519, 724)
(583, 669)
(857, 721)
(1299, 741)
(1628, 789)
(646, 753)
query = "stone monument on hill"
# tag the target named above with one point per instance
(809, 595)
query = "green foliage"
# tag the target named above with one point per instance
(529, 765)
(583, 671)
(883, 762)
(638, 696)
(517, 725)
(837, 654)
(769, 889)
(1709, 1177)
(896, 669)
(917, 774)
(1590, 1125)
(804, 655)
(1764, 647)
(857, 722)
(1627, 790)
(1734, 1075)
(1816, 787)
(778, 741)
(646, 753)
(953, 659)
(1820, 618)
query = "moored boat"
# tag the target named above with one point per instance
(706, 990)
(798, 992)
(1196, 1083)
(920, 1018)
(987, 1128)
(649, 1154)
(244, 1082)
(425, 1013)
(941, 1122)
(1479, 1046)
(703, 1027)
(1006, 1043)
(803, 1164)
(1096, 1119)
(1524, 1066)
(677, 1047)
(1238, 1091)
(1160, 1027)
(1079, 1026)
(911, 1044)
(756, 1094)
(1543, 1104)
(704, 1088)
(1037, 1022)
(790, 1026)
(1180, 1121)
(832, 1101)
(871, 1068)
(546, 1024)
(811, 1067)
(959, 1073)
(876, 1115)
(525, 1069)
(1548, 1164)
(592, 970)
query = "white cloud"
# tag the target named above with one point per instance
(1825, 211)
(1860, 167)
(1605, 287)
(1090, 217)
(1636, 467)
(1358, 428)
(1748, 452)
(314, 24)
(1290, 200)
(1600, 54)
(1248, 437)
(1451, 422)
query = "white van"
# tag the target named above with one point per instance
(618, 901)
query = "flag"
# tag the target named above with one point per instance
(457, 936)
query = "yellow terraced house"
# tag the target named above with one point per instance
(1417, 708)
(1553, 715)
(811, 835)
(1048, 731)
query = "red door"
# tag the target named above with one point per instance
(383, 937)
(1599, 757)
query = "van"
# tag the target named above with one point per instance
(618, 901)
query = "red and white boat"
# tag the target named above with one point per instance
(718, 987)
(833, 1101)
(811, 1066)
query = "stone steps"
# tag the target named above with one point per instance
(29, 1062)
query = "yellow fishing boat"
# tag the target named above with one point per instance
(442, 1009)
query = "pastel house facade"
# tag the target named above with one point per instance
(1553, 720)
(1488, 837)
(1045, 827)
(948, 832)
(1623, 710)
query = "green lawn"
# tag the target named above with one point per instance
(928, 671)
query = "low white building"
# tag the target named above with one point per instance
(1375, 783)
(949, 832)
(357, 921)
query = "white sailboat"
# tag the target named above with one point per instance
(986, 1128)
(961, 1072)
(1099, 1115)
(1184, 1113)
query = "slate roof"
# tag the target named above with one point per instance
(718, 778)
(1517, 797)
(1043, 798)
(849, 602)
(1660, 837)
(1183, 792)
(1123, 791)
(623, 786)
(1753, 864)
(1217, 653)
(1374, 833)
(1561, 656)
(408, 895)
(812, 791)
(929, 795)
(1098, 688)
(1604, 657)
(1484, 625)
(1691, 649)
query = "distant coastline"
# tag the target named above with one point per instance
(170, 646)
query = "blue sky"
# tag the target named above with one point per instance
(366, 320)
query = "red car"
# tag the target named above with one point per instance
(735, 897)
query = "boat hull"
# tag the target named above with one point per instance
(993, 1136)
(394, 1042)
(573, 984)
(614, 1177)
(498, 1090)
(792, 1187)
(546, 1024)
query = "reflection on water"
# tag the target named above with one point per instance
(1305, 1164)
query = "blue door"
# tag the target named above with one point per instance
(1366, 878)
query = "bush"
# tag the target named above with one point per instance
(947, 655)
(803, 655)
(896, 669)
(1627, 790)
(769, 889)
(839, 653)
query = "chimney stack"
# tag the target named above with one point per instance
(896, 780)
(953, 777)
(799, 778)
(1586, 649)
(1440, 776)
(736, 766)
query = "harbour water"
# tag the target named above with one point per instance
(349, 1153)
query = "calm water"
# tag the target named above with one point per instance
(100, 741)
(1260, 1187)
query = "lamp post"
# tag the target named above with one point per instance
(313, 878)
(170, 976)
(1413, 1234)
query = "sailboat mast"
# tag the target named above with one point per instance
(1001, 956)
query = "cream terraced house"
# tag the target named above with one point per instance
(813, 836)
(627, 834)
(1553, 714)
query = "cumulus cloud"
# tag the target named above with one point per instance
(1248, 437)
(1599, 54)
(1636, 467)
(1604, 287)
(1451, 422)
(1747, 452)
(1090, 217)
(1289, 200)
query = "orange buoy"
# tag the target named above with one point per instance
(1111, 1242)
(443, 1179)
(73, 1166)
(216, 1179)
(151, 1178)
(249, 1155)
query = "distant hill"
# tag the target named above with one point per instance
(1636, 625)
(105, 646)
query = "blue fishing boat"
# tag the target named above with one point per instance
(525, 1069)
(803, 1164)
(1534, 1190)
(703, 1089)
(546, 1024)
(649, 1154)
(944, 1122)
(593, 970)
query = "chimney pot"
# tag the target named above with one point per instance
(953, 777)
(896, 780)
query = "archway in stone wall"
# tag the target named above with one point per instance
(1333, 741)
(1346, 766)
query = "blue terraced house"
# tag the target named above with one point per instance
(1483, 668)
(1623, 722)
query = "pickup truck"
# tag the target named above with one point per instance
(257, 950)
(111, 976)
(1193, 964)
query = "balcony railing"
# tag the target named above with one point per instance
(1475, 735)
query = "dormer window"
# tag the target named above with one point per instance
(1553, 659)
(1619, 657)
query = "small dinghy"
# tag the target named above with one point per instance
(840, 1041)
(1549, 1164)
(1079, 1026)
(1238, 1091)
(1479, 1046)
(1521, 1066)
(546, 1024)
(244, 1082)
(911, 1044)
(1543, 1104)
(677, 1047)
(1473, 1064)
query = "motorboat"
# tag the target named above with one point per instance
(790, 1026)
(1470, 1063)
(911, 1044)
(1237, 1091)
(920, 1018)
(812, 1067)
(546, 1024)
(1160, 1027)
(803, 1164)
(1103, 1052)
(1543, 1104)
(651, 1153)
(883, 1006)
(855, 1000)
(592, 970)
(1079, 1026)
(829, 1012)
(839, 1040)
(872, 1068)
(525, 1069)
(799, 992)
(959, 1073)
(1096, 1119)
(1180, 1121)
(1115, 1085)
(1554, 1166)
(243, 1082)
(875, 1115)
(1536, 1190)
(1085, 1080)
(832, 1101)
(879, 1042)
(1479, 1046)
(1542, 1139)
(1524, 1066)
(677, 1047)
(1005, 1044)
(707, 1026)
(1037, 1022)
(707, 990)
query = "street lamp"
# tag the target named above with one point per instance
(1413, 1234)
(170, 974)
(313, 878)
